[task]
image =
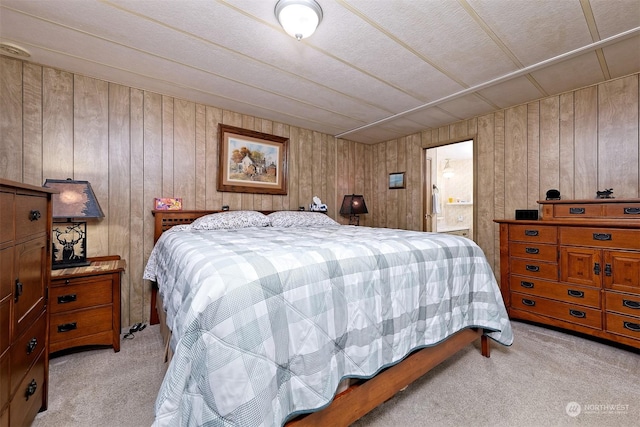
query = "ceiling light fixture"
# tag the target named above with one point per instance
(299, 18)
(447, 172)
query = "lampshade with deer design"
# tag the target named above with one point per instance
(74, 200)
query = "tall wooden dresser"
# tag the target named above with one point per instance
(25, 268)
(578, 268)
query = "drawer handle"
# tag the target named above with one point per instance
(530, 232)
(576, 294)
(66, 327)
(18, 292)
(528, 285)
(33, 343)
(532, 250)
(596, 268)
(635, 327)
(64, 299)
(576, 211)
(31, 389)
(631, 304)
(632, 211)
(577, 313)
(533, 268)
(607, 269)
(601, 236)
(34, 215)
(529, 302)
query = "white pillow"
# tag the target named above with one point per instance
(300, 219)
(231, 219)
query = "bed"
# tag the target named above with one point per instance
(270, 315)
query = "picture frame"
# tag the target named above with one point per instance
(251, 161)
(69, 245)
(168, 203)
(396, 180)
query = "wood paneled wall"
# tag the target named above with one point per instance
(577, 142)
(134, 145)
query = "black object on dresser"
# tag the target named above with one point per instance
(25, 266)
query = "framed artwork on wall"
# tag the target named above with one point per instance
(396, 180)
(251, 162)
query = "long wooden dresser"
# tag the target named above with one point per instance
(25, 268)
(578, 268)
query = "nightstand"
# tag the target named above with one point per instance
(84, 305)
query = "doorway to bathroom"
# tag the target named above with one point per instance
(449, 189)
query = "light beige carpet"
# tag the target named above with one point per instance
(531, 383)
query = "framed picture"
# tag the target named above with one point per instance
(396, 180)
(251, 162)
(69, 245)
(168, 204)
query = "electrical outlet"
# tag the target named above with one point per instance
(460, 218)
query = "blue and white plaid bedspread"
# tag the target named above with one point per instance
(267, 321)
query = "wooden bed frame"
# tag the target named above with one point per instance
(362, 397)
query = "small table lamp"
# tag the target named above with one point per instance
(75, 199)
(353, 205)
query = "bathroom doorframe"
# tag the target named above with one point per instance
(427, 183)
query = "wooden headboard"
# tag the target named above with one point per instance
(164, 220)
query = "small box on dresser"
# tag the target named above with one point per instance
(85, 305)
(25, 265)
(578, 268)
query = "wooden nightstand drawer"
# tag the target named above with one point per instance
(26, 350)
(533, 233)
(79, 323)
(623, 303)
(28, 398)
(31, 215)
(534, 251)
(558, 310)
(80, 294)
(623, 325)
(623, 210)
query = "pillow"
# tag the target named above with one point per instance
(300, 219)
(230, 219)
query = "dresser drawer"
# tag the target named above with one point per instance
(558, 310)
(23, 408)
(623, 325)
(26, 349)
(623, 303)
(537, 251)
(4, 385)
(80, 294)
(557, 291)
(532, 268)
(617, 238)
(79, 323)
(5, 323)
(7, 281)
(31, 215)
(6, 218)
(533, 233)
(623, 210)
(576, 211)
